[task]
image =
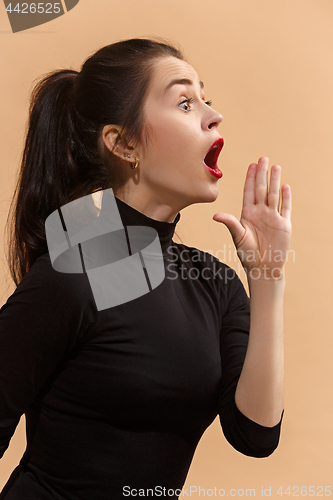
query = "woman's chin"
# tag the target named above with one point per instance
(210, 194)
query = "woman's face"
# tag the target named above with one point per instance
(182, 128)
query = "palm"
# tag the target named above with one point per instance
(262, 236)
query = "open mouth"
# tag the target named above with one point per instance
(211, 157)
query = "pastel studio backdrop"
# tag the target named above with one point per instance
(267, 66)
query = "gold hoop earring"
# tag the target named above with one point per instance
(136, 163)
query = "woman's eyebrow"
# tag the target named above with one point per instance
(181, 81)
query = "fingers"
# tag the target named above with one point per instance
(249, 186)
(261, 181)
(274, 187)
(236, 229)
(256, 186)
(286, 201)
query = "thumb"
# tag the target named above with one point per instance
(237, 230)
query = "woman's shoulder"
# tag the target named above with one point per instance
(44, 289)
(224, 276)
(197, 257)
(45, 275)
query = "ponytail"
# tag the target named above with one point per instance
(48, 174)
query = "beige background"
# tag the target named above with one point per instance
(267, 65)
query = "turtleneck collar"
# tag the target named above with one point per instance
(132, 217)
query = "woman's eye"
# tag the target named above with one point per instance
(186, 104)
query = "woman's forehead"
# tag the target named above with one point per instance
(170, 70)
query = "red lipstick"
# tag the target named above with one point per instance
(210, 160)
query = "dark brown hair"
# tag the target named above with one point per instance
(63, 159)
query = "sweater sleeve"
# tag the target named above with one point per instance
(48, 313)
(245, 435)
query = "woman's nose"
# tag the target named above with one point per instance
(214, 119)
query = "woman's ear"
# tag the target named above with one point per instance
(116, 143)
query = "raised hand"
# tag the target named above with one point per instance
(263, 233)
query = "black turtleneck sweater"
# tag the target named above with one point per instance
(117, 399)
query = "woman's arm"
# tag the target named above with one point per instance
(259, 393)
(262, 238)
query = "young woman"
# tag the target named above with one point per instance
(117, 399)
